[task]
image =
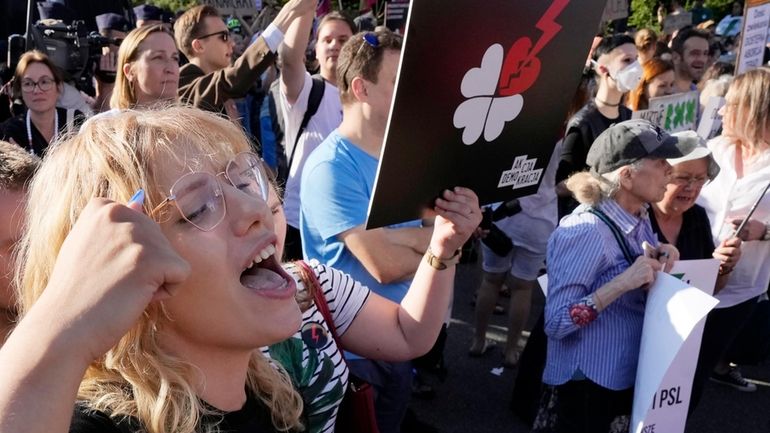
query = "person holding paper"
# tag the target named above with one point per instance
(600, 259)
(678, 220)
(743, 153)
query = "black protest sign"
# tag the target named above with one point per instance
(395, 15)
(481, 99)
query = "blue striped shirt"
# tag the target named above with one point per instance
(583, 255)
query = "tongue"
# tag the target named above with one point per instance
(262, 279)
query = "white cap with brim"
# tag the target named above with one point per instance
(693, 147)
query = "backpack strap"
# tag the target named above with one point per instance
(320, 302)
(313, 102)
(615, 232)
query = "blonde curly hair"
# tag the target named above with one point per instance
(113, 156)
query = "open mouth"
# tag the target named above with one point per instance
(266, 277)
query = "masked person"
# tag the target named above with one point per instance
(617, 72)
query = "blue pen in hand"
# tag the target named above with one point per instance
(137, 198)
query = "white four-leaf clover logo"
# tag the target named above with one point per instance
(494, 89)
(483, 111)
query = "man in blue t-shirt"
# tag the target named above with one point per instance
(337, 183)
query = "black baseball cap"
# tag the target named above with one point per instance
(627, 142)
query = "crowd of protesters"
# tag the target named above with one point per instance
(206, 159)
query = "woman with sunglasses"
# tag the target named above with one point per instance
(150, 315)
(39, 82)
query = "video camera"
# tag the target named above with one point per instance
(496, 239)
(69, 47)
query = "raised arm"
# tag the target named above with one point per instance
(292, 53)
(388, 331)
(215, 88)
(82, 312)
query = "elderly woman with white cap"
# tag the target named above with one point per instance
(600, 260)
(677, 220)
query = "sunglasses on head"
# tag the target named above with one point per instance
(370, 39)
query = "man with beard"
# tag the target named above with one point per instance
(691, 53)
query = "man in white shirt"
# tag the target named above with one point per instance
(334, 30)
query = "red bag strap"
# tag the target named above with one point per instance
(320, 302)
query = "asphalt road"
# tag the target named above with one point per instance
(474, 400)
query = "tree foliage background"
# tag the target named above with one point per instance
(175, 5)
(644, 12)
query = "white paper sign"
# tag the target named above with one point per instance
(543, 281)
(615, 10)
(673, 327)
(673, 113)
(754, 38)
(675, 22)
(711, 121)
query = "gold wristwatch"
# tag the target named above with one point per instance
(438, 263)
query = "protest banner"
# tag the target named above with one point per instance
(615, 10)
(673, 113)
(395, 15)
(674, 316)
(235, 7)
(754, 35)
(710, 121)
(252, 16)
(483, 112)
(675, 22)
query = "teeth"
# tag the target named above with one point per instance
(263, 255)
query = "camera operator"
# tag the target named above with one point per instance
(53, 14)
(112, 27)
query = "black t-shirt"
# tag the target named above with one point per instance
(582, 130)
(16, 128)
(253, 417)
(694, 241)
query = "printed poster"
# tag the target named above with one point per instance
(615, 10)
(485, 111)
(754, 35)
(711, 122)
(674, 316)
(674, 113)
(395, 15)
(675, 22)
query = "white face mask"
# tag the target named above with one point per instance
(627, 78)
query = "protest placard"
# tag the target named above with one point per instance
(483, 112)
(675, 22)
(396, 12)
(673, 113)
(754, 35)
(710, 121)
(615, 10)
(674, 316)
(235, 7)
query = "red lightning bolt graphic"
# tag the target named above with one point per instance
(548, 26)
(522, 67)
(314, 334)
